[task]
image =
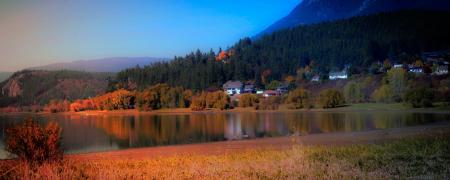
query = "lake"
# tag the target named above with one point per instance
(93, 133)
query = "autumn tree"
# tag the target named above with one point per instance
(299, 98)
(248, 100)
(330, 98)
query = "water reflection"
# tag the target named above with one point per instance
(108, 132)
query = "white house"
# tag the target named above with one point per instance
(441, 70)
(233, 87)
(315, 78)
(338, 75)
(398, 65)
(416, 70)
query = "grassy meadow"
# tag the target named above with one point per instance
(416, 158)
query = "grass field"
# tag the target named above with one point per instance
(418, 158)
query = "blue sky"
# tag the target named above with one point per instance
(47, 31)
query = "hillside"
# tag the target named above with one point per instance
(359, 41)
(316, 11)
(4, 75)
(39, 87)
(115, 64)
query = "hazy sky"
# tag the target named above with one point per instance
(38, 32)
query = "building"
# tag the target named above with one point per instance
(233, 87)
(338, 75)
(249, 88)
(269, 93)
(398, 66)
(282, 89)
(416, 70)
(441, 70)
(315, 78)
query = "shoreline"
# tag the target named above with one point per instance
(363, 107)
(274, 143)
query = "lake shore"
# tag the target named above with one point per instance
(276, 143)
(416, 152)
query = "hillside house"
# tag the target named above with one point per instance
(416, 70)
(338, 75)
(269, 93)
(233, 87)
(315, 78)
(441, 70)
(282, 89)
(398, 66)
(249, 88)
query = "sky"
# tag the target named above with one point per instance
(34, 33)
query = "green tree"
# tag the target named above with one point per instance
(299, 98)
(353, 92)
(330, 98)
(383, 94)
(419, 97)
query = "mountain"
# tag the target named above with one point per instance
(38, 87)
(115, 64)
(358, 42)
(4, 75)
(315, 11)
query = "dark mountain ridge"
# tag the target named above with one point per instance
(316, 11)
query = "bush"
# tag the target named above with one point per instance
(269, 103)
(331, 98)
(419, 97)
(353, 92)
(217, 100)
(383, 94)
(299, 98)
(55, 106)
(34, 144)
(248, 100)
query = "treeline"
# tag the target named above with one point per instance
(359, 42)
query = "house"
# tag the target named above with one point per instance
(338, 75)
(282, 89)
(269, 93)
(259, 91)
(441, 70)
(398, 65)
(315, 78)
(233, 87)
(249, 88)
(416, 70)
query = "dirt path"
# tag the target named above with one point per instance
(216, 148)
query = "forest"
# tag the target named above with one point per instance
(357, 42)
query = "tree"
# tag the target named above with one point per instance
(383, 94)
(353, 92)
(419, 97)
(396, 79)
(299, 98)
(331, 98)
(248, 100)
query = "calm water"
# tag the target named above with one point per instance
(82, 133)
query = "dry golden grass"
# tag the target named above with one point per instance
(420, 158)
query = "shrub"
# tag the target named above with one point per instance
(248, 100)
(269, 103)
(353, 92)
(199, 102)
(33, 143)
(331, 98)
(383, 94)
(55, 106)
(298, 98)
(419, 97)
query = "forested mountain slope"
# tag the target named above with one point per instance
(359, 41)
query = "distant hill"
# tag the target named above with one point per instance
(315, 11)
(114, 64)
(31, 87)
(4, 75)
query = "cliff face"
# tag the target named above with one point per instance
(39, 87)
